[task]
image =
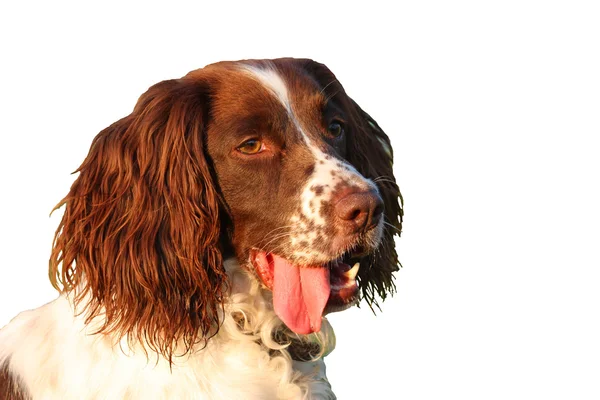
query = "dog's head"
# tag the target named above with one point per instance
(267, 161)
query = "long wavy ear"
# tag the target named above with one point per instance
(369, 150)
(138, 241)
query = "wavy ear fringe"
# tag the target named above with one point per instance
(370, 151)
(138, 242)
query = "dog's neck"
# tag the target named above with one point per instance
(309, 347)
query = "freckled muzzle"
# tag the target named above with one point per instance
(308, 285)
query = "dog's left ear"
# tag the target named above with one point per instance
(369, 150)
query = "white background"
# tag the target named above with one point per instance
(494, 112)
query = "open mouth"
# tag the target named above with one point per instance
(303, 294)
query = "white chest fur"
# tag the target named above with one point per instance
(56, 356)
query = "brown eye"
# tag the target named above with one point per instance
(336, 129)
(252, 146)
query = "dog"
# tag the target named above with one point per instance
(205, 238)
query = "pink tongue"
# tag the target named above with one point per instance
(300, 295)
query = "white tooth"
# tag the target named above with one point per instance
(351, 273)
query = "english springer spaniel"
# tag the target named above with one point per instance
(206, 236)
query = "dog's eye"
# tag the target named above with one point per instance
(252, 146)
(336, 129)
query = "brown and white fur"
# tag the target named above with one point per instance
(184, 211)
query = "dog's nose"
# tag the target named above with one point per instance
(359, 211)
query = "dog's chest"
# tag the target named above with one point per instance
(54, 358)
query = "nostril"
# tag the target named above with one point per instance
(351, 208)
(354, 214)
(359, 210)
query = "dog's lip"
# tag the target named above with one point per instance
(344, 287)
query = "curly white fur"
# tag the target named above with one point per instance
(56, 356)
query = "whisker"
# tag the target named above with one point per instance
(276, 237)
(274, 232)
(391, 226)
(326, 86)
(385, 179)
(277, 248)
(279, 228)
(331, 96)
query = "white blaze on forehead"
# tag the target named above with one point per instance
(273, 81)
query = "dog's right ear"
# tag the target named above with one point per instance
(139, 239)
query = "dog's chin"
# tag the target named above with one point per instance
(304, 293)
